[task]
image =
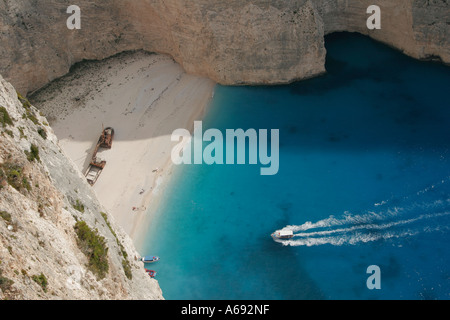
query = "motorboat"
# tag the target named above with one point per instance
(283, 234)
(151, 273)
(149, 259)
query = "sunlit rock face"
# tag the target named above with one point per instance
(231, 42)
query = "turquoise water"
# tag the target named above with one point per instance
(364, 180)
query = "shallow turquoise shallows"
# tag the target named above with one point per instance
(364, 180)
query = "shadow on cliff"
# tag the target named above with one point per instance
(90, 78)
(368, 87)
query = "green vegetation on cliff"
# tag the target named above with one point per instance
(5, 119)
(94, 247)
(125, 263)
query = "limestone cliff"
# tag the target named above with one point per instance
(232, 42)
(419, 28)
(56, 240)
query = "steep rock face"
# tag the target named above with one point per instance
(248, 42)
(232, 42)
(42, 196)
(419, 28)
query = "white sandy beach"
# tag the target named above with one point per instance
(144, 97)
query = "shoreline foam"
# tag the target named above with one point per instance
(144, 97)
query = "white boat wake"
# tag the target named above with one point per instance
(391, 223)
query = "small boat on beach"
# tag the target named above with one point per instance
(283, 234)
(151, 273)
(149, 259)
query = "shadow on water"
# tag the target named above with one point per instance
(366, 92)
(341, 71)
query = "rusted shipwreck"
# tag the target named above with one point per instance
(106, 138)
(97, 164)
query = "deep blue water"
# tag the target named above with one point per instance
(364, 157)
